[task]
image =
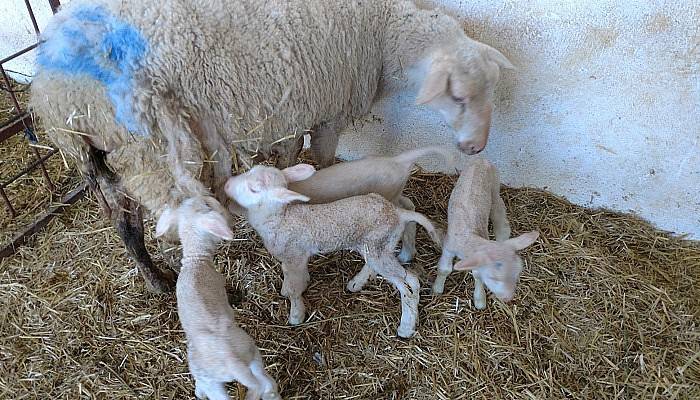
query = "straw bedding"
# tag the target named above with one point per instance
(607, 307)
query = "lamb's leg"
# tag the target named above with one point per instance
(408, 240)
(479, 292)
(360, 280)
(127, 218)
(205, 389)
(296, 279)
(499, 219)
(324, 142)
(408, 286)
(444, 270)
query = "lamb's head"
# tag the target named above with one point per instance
(199, 223)
(459, 82)
(498, 264)
(264, 186)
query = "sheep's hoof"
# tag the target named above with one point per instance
(296, 318)
(354, 286)
(163, 282)
(438, 289)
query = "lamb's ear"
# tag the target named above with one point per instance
(474, 261)
(434, 84)
(284, 195)
(215, 224)
(523, 240)
(298, 172)
(165, 222)
(496, 56)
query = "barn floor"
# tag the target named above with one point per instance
(607, 308)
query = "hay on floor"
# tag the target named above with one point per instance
(607, 307)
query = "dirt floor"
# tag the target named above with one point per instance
(607, 307)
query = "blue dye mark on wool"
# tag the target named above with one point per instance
(92, 42)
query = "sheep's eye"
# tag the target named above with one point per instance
(458, 99)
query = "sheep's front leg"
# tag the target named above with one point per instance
(296, 280)
(409, 288)
(444, 270)
(479, 292)
(324, 142)
(408, 240)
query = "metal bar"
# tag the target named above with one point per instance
(28, 168)
(40, 160)
(19, 53)
(8, 204)
(54, 5)
(15, 125)
(43, 220)
(18, 109)
(31, 15)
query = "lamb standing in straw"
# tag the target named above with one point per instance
(292, 233)
(474, 199)
(218, 350)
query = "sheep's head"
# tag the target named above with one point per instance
(459, 82)
(498, 264)
(265, 185)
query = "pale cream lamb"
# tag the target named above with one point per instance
(218, 350)
(474, 199)
(292, 233)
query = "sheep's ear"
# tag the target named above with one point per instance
(522, 241)
(434, 84)
(496, 56)
(284, 195)
(165, 222)
(215, 224)
(298, 172)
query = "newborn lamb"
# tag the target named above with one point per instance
(474, 199)
(218, 350)
(292, 233)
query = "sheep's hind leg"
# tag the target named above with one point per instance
(127, 218)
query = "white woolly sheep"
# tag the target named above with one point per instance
(192, 81)
(218, 350)
(292, 233)
(474, 199)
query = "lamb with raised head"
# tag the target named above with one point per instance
(218, 350)
(193, 81)
(474, 200)
(292, 233)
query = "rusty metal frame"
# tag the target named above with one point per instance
(22, 122)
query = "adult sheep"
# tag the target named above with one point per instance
(151, 98)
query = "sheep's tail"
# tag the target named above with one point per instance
(410, 157)
(406, 216)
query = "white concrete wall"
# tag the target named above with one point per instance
(604, 109)
(17, 32)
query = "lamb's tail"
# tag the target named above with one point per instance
(410, 157)
(412, 216)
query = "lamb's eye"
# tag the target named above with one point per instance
(458, 99)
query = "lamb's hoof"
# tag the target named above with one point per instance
(405, 333)
(438, 290)
(480, 304)
(296, 318)
(354, 286)
(406, 256)
(163, 282)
